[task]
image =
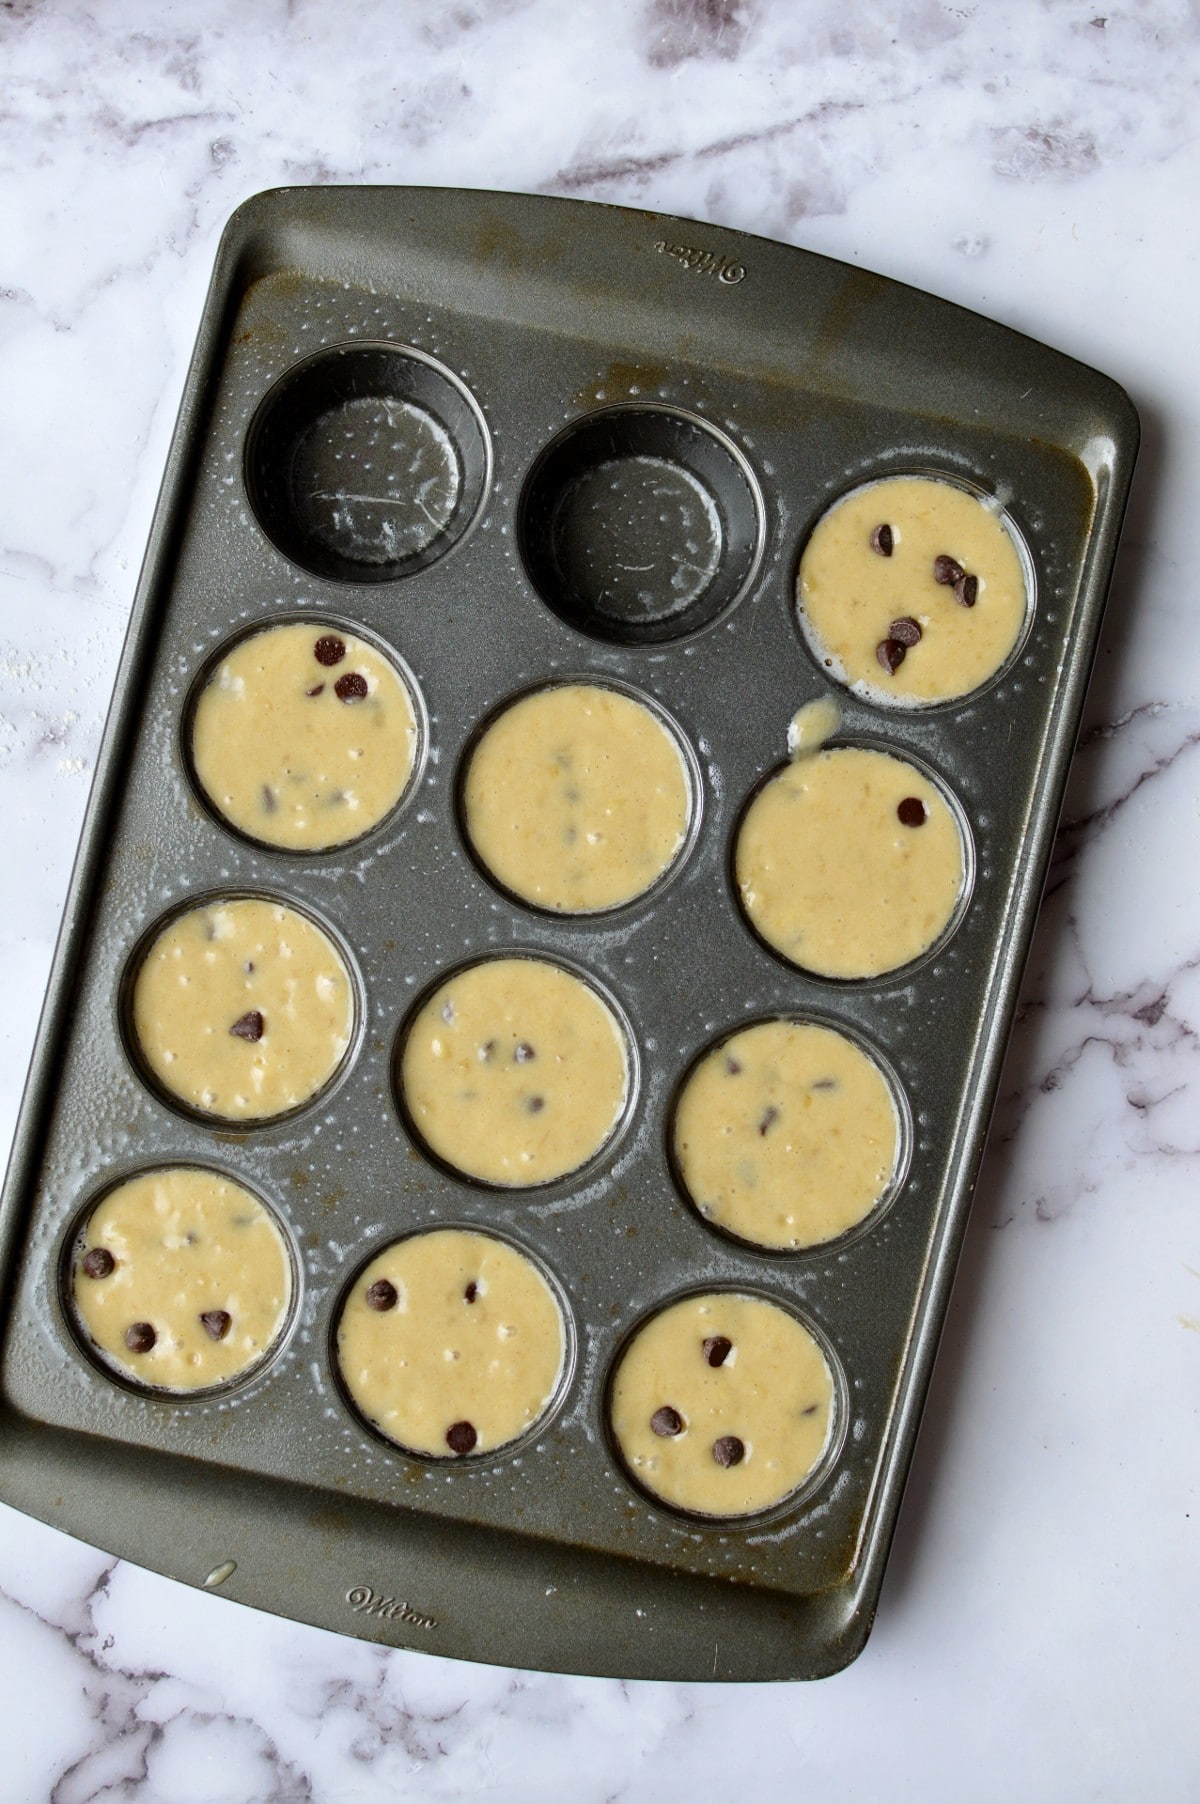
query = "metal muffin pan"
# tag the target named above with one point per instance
(545, 363)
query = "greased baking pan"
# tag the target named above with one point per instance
(804, 378)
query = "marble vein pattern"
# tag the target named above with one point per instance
(1038, 162)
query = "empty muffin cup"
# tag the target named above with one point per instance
(240, 1009)
(514, 1071)
(641, 524)
(452, 1343)
(724, 1404)
(787, 1135)
(180, 1280)
(577, 798)
(367, 462)
(851, 862)
(303, 736)
(914, 590)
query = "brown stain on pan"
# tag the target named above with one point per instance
(617, 381)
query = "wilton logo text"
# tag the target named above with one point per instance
(703, 263)
(364, 1602)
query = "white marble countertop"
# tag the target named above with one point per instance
(1037, 1636)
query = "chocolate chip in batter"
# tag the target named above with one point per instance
(890, 653)
(666, 1422)
(249, 1026)
(329, 649)
(382, 1295)
(717, 1349)
(351, 688)
(447, 1011)
(906, 631)
(486, 1051)
(535, 1104)
(811, 1410)
(729, 1451)
(770, 1115)
(269, 800)
(140, 1337)
(883, 540)
(947, 570)
(317, 689)
(471, 1292)
(98, 1263)
(911, 812)
(966, 591)
(217, 1323)
(732, 1065)
(824, 1083)
(461, 1437)
(524, 1052)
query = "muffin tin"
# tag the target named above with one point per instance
(518, 441)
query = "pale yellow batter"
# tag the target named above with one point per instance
(850, 862)
(181, 1279)
(514, 1071)
(304, 737)
(811, 725)
(786, 1134)
(451, 1343)
(913, 590)
(243, 1009)
(722, 1404)
(577, 798)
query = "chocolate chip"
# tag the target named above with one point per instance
(824, 1083)
(524, 1053)
(966, 591)
(471, 1292)
(666, 1422)
(351, 688)
(906, 631)
(732, 1066)
(317, 689)
(140, 1337)
(447, 1011)
(535, 1104)
(98, 1263)
(729, 1451)
(486, 1051)
(947, 570)
(217, 1323)
(890, 653)
(770, 1116)
(717, 1349)
(883, 540)
(461, 1437)
(382, 1295)
(249, 1026)
(269, 802)
(811, 1410)
(329, 649)
(911, 812)
(248, 966)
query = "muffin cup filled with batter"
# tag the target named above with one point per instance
(240, 1008)
(303, 735)
(789, 1134)
(852, 862)
(179, 1279)
(725, 1404)
(453, 1342)
(515, 1071)
(578, 797)
(915, 590)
